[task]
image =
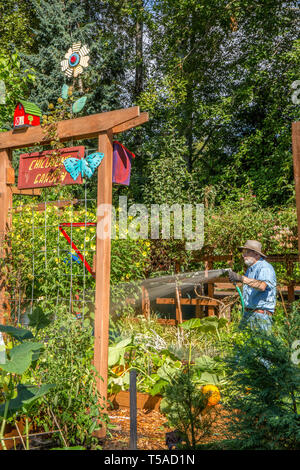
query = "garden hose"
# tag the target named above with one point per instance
(241, 297)
(238, 291)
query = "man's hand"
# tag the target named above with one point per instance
(235, 277)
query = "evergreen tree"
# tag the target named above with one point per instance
(59, 24)
(264, 388)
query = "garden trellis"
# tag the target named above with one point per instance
(59, 238)
(102, 127)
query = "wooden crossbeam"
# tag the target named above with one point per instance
(144, 117)
(26, 192)
(86, 127)
(184, 301)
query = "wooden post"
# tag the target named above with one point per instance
(178, 310)
(210, 286)
(103, 257)
(5, 221)
(179, 318)
(296, 160)
(133, 410)
(145, 303)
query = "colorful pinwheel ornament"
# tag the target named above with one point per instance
(76, 59)
(84, 166)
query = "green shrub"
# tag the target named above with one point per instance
(66, 362)
(264, 388)
(186, 410)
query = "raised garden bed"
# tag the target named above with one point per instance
(144, 401)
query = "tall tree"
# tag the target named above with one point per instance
(59, 24)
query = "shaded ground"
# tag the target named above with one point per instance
(151, 428)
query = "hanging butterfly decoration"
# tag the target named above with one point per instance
(84, 166)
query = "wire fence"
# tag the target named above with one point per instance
(49, 256)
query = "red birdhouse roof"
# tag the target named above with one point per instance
(30, 108)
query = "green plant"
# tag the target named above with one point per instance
(153, 366)
(263, 388)
(18, 392)
(186, 410)
(75, 402)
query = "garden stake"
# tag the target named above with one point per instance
(20, 435)
(133, 410)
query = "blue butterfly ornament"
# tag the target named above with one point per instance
(84, 166)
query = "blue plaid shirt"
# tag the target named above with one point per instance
(254, 298)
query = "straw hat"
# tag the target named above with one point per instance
(254, 246)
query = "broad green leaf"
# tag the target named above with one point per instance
(21, 358)
(204, 363)
(18, 333)
(209, 328)
(26, 395)
(38, 319)
(117, 350)
(158, 387)
(64, 92)
(167, 371)
(123, 343)
(114, 355)
(207, 378)
(191, 324)
(79, 104)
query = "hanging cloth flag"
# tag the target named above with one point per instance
(122, 158)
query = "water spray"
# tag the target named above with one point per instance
(165, 285)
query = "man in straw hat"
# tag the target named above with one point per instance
(259, 287)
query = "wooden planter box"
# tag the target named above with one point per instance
(144, 401)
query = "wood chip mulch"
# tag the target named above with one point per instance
(151, 429)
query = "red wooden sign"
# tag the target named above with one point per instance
(42, 169)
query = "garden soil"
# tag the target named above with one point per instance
(152, 428)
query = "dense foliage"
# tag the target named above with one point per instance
(264, 381)
(215, 77)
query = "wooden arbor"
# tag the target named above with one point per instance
(101, 126)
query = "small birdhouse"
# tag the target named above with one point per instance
(26, 115)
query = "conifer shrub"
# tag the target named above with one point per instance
(264, 388)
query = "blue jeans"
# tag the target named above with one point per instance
(256, 320)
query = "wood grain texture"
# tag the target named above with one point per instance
(103, 258)
(144, 117)
(77, 129)
(5, 224)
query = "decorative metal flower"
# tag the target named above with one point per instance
(75, 59)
